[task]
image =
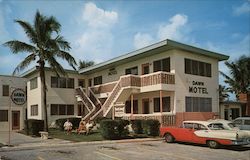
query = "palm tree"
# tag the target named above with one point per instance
(46, 45)
(223, 93)
(85, 64)
(239, 78)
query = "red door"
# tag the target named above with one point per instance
(15, 120)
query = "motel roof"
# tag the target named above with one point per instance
(150, 50)
(35, 69)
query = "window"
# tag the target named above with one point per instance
(145, 68)
(61, 82)
(247, 122)
(162, 65)
(81, 83)
(62, 109)
(197, 68)
(98, 80)
(3, 115)
(6, 90)
(133, 70)
(81, 111)
(128, 106)
(165, 104)
(70, 83)
(33, 83)
(34, 110)
(198, 104)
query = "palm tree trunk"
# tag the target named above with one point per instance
(44, 90)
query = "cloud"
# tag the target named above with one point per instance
(97, 41)
(97, 17)
(243, 9)
(142, 40)
(176, 29)
(172, 30)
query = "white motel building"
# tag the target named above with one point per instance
(168, 81)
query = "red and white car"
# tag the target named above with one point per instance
(201, 132)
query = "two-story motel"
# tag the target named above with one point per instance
(168, 81)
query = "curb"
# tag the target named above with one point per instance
(31, 146)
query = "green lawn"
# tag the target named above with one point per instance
(93, 136)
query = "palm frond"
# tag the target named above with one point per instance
(25, 63)
(66, 56)
(29, 30)
(57, 68)
(18, 46)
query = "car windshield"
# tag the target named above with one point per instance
(231, 125)
(216, 126)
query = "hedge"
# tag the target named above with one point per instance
(150, 127)
(114, 129)
(137, 126)
(75, 122)
(34, 126)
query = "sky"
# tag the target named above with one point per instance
(101, 30)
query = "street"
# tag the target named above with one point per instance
(150, 150)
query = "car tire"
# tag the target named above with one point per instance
(213, 144)
(169, 138)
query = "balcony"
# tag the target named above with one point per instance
(137, 81)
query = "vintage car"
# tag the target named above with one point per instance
(221, 123)
(242, 122)
(199, 132)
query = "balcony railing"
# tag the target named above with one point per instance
(137, 81)
(165, 119)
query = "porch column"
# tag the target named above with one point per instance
(161, 106)
(132, 104)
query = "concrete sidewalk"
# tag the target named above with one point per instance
(18, 139)
(23, 142)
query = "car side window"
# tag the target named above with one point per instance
(238, 121)
(199, 127)
(188, 125)
(247, 122)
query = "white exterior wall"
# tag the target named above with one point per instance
(34, 98)
(183, 81)
(121, 68)
(229, 106)
(54, 96)
(6, 102)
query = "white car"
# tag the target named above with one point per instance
(242, 122)
(222, 124)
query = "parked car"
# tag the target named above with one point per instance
(242, 122)
(199, 132)
(223, 124)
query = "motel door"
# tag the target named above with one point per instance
(145, 103)
(15, 120)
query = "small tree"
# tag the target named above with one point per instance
(223, 93)
(239, 75)
(46, 45)
(85, 64)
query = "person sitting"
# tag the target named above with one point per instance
(89, 126)
(82, 127)
(68, 126)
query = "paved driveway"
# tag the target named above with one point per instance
(17, 138)
(150, 150)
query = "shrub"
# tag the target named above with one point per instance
(113, 129)
(151, 127)
(34, 126)
(99, 119)
(137, 126)
(75, 122)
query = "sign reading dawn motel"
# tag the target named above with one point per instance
(198, 87)
(18, 96)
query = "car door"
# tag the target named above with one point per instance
(199, 130)
(186, 133)
(246, 124)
